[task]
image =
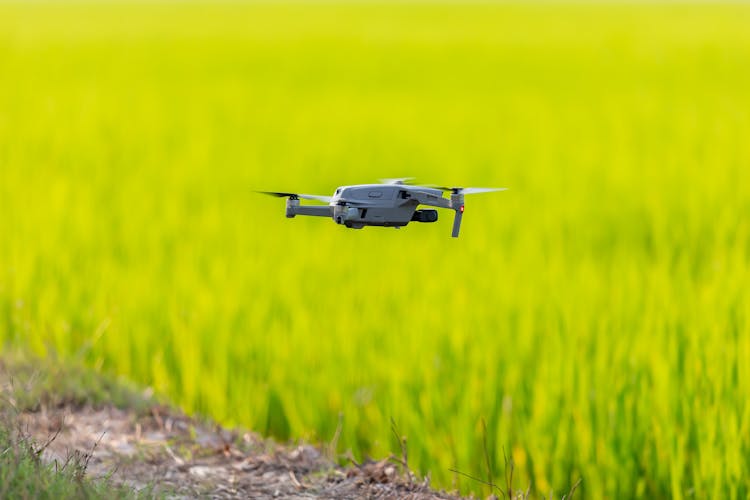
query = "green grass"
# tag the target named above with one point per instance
(28, 384)
(24, 476)
(595, 315)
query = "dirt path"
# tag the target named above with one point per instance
(184, 458)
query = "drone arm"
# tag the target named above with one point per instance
(431, 200)
(316, 211)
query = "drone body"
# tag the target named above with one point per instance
(392, 204)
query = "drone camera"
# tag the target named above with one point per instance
(425, 216)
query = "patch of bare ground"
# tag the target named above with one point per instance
(168, 454)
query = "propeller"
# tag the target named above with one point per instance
(294, 196)
(469, 190)
(396, 180)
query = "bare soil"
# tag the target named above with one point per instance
(166, 453)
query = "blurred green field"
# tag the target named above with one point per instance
(596, 315)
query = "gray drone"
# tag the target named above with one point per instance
(391, 204)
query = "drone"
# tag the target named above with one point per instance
(393, 203)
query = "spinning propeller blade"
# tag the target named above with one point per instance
(396, 180)
(472, 190)
(468, 190)
(316, 197)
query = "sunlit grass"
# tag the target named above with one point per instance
(596, 314)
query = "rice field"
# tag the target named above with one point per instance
(595, 316)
